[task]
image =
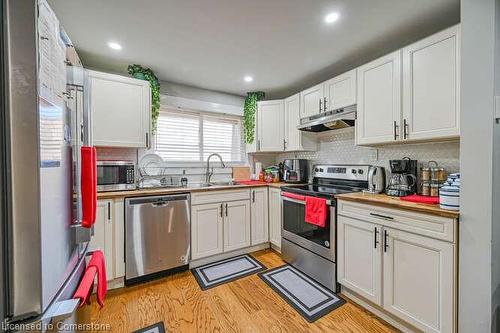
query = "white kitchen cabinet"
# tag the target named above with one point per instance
(120, 109)
(379, 100)
(271, 126)
(207, 230)
(236, 225)
(102, 238)
(275, 216)
(259, 213)
(431, 87)
(296, 140)
(403, 262)
(359, 263)
(312, 101)
(419, 280)
(340, 91)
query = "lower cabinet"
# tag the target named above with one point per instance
(108, 236)
(206, 230)
(219, 227)
(259, 213)
(275, 216)
(410, 276)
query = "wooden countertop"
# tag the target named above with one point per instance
(175, 190)
(395, 202)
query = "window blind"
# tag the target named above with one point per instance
(186, 136)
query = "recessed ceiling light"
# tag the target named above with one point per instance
(332, 17)
(248, 78)
(114, 46)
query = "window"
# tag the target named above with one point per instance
(186, 136)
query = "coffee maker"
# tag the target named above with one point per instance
(403, 179)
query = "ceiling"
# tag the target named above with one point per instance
(285, 45)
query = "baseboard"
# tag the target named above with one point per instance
(222, 256)
(378, 311)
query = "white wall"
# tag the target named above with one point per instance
(476, 285)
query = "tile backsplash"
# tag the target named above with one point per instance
(339, 148)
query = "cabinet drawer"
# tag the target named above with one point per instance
(219, 196)
(423, 224)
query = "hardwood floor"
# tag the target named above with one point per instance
(244, 305)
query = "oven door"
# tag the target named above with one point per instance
(321, 241)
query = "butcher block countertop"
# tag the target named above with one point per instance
(188, 189)
(395, 202)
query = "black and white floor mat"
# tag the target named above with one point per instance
(156, 328)
(220, 272)
(304, 294)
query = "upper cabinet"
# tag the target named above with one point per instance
(121, 110)
(340, 91)
(312, 101)
(379, 100)
(296, 140)
(271, 126)
(431, 87)
(412, 94)
(332, 94)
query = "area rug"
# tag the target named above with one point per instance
(155, 328)
(223, 271)
(304, 294)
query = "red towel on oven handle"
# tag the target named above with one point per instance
(88, 186)
(316, 211)
(293, 196)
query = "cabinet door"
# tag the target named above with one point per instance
(360, 258)
(271, 125)
(206, 230)
(259, 214)
(419, 280)
(341, 91)
(275, 216)
(379, 100)
(236, 225)
(120, 108)
(312, 101)
(431, 86)
(102, 238)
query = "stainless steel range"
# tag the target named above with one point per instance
(311, 248)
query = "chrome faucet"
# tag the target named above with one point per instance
(209, 172)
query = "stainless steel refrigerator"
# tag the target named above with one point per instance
(43, 124)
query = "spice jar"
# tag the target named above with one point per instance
(426, 188)
(434, 190)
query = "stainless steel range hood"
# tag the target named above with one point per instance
(330, 120)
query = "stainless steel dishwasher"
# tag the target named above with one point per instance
(157, 236)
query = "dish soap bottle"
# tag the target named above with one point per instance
(184, 180)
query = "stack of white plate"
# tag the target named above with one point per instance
(449, 193)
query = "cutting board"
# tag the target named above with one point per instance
(241, 173)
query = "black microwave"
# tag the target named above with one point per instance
(115, 175)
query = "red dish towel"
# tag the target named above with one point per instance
(316, 211)
(293, 196)
(96, 266)
(89, 186)
(86, 285)
(421, 199)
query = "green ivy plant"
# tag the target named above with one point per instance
(249, 111)
(147, 74)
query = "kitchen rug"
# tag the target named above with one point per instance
(304, 294)
(220, 272)
(155, 328)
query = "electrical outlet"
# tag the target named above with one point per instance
(374, 155)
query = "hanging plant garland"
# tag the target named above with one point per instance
(249, 111)
(147, 74)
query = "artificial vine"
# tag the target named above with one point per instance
(249, 111)
(147, 74)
